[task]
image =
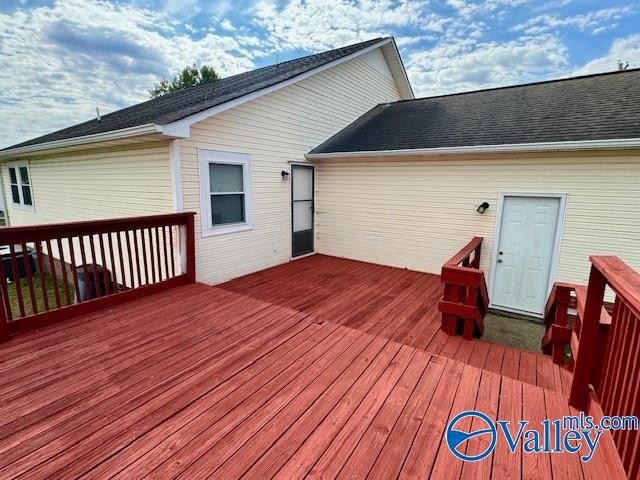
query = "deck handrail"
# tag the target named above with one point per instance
(115, 259)
(465, 298)
(605, 347)
(464, 256)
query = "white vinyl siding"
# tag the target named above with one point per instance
(274, 130)
(416, 213)
(98, 183)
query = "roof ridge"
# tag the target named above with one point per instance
(519, 85)
(184, 91)
(371, 41)
(170, 106)
(324, 52)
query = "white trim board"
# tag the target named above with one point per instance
(16, 165)
(555, 253)
(98, 137)
(205, 157)
(504, 148)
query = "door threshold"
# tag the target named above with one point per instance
(302, 256)
(515, 313)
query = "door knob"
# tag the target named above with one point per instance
(499, 260)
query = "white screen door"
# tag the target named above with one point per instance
(525, 253)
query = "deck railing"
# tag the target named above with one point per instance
(465, 299)
(605, 348)
(56, 271)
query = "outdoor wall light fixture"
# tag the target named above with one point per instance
(483, 207)
(285, 175)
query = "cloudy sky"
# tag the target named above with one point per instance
(61, 59)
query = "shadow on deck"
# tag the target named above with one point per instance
(203, 382)
(397, 304)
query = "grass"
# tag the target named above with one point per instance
(12, 290)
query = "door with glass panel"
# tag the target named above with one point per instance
(302, 209)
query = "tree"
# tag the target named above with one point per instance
(188, 77)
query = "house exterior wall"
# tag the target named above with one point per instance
(274, 130)
(93, 184)
(417, 212)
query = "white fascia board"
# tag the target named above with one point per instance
(398, 71)
(182, 125)
(98, 137)
(505, 148)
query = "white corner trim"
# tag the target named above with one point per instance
(205, 157)
(183, 124)
(5, 199)
(98, 137)
(504, 148)
(176, 174)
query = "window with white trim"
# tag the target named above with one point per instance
(20, 185)
(225, 191)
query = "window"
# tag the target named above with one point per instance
(20, 184)
(225, 191)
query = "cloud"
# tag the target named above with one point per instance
(320, 24)
(468, 65)
(227, 25)
(468, 9)
(594, 22)
(61, 61)
(626, 50)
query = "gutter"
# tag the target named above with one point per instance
(478, 149)
(146, 129)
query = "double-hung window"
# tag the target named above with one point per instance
(225, 191)
(20, 185)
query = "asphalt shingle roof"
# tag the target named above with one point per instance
(595, 107)
(175, 106)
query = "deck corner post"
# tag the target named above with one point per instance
(4, 326)
(190, 244)
(583, 373)
(5, 306)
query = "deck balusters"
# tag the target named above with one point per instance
(40, 279)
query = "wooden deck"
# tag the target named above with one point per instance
(204, 382)
(397, 304)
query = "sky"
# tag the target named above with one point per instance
(59, 60)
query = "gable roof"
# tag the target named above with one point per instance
(180, 105)
(591, 108)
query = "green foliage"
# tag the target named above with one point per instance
(188, 77)
(12, 291)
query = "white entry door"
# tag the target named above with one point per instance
(525, 252)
